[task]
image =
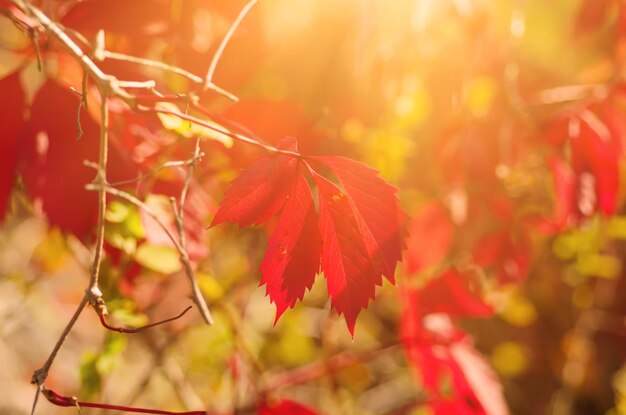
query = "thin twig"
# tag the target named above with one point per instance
(65, 40)
(41, 374)
(142, 328)
(179, 213)
(159, 169)
(319, 369)
(220, 49)
(182, 252)
(106, 54)
(143, 206)
(93, 291)
(83, 101)
(165, 67)
(149, 84)
(61, 400)
(33, 34)
(238, 137)
(36, 399)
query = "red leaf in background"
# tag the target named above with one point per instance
(260, 192)
(12, 121)
(347, 267)
(284, 407)
(132, 18)
(595, 133)
(591, 15)
(292, 258)
(246, 49)
(52, 160)
(437, 351)
(506, 253)
(564, 185)
(480, 377)
(597, 148)
(430, 237)
(452, 293)
(53, 167)
(376, 209)
(361, 228)
(270, 120)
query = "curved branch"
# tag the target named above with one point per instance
(104, 322)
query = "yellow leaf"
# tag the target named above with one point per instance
(51, 253)
(163, 259)
(599, 265)
(210, 287)
(617, 227)
(189, 129)
(480, 94)
(519, 311)
(510, 359)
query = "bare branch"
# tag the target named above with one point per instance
(182, 252)
(208, 82)
(142, 328)
(93, 292)
(159, 169)
(36, 399)
(105, 54)
(179, 212)
(150, 63)
(135, 201)
(41, 374)
(238, 137)
(319, 369)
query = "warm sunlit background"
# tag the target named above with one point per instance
(501, 122)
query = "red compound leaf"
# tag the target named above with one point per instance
(355, 238)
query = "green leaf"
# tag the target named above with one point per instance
(90, 379)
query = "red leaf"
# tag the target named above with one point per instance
(272, 120)
(376, 209)
(361, 228)
(430, 237)
(53, 167)
(12, 121)
(591, 15)
(293, 254)
(594, 133)
(452, 293)
(480, 378)
(349, 272)
(260, 192)
(52, 160)
(437, 350)
(284, 407)
(138, 17)
(507, 253)
(597, 149)
(563, 183)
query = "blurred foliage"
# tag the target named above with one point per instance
(501, 123)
